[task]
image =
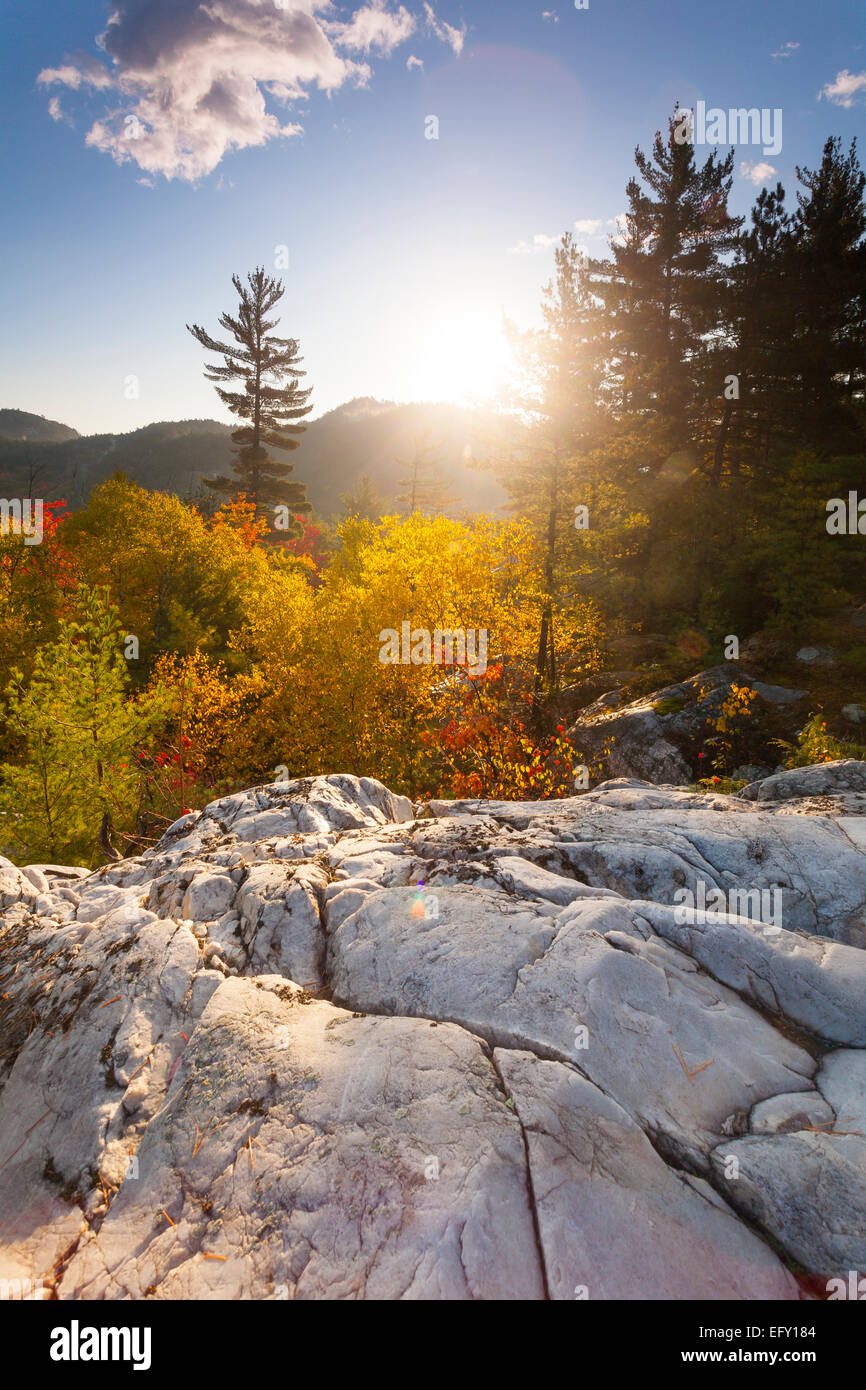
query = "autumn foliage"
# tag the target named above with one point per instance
(217, 657)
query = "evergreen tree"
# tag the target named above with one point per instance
(661, 292)
(561, 402)
(758, 407)
(829, 347)
(362, 500)
(270, 401)
(425, 488)
(797, 322)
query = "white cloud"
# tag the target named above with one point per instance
(844, 88)
(413, 62)
(551, 15)
(620, 227)
(540, 242)
(446, 32)
(758, 173)
(79, 69)
(190, 80)
(786, 50)
(374, 28)
(584, 226)
(55, 110)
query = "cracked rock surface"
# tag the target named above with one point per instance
(319, 1044)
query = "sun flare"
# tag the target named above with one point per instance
(455, 356)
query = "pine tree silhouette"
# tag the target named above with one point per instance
(425, 488)
(270, 400)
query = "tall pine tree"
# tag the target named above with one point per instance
(561, 402)
(425, 490)
(759, 405)
(271, 399)
(829, 347)
(363, 500)
(661, 291)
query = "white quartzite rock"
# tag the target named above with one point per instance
(534, 1073)
(613, 1218)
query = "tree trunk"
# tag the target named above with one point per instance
(545, 662)
(721, 441)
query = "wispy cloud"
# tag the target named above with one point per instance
(413, 62)
(446, 32)
(79, 70)
(844, 88)
(786, 50)
(620, 227)
(540, 242)
(55, 110)
(550, 15)
(758, 173)
(590, 227)
(192, 80)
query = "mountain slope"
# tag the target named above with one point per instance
(20, 424)
(363, 436)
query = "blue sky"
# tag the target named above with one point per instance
(403, 251)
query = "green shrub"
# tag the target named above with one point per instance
(815, 745)
(670, 706)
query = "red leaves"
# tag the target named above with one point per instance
(309, 545)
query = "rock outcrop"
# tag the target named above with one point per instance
(663, 737)
(321, 1044)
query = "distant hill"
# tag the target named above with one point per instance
(362, 436)
(369, 436)
(169, 457)
(20, 424)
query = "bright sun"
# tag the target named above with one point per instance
(454, 357)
